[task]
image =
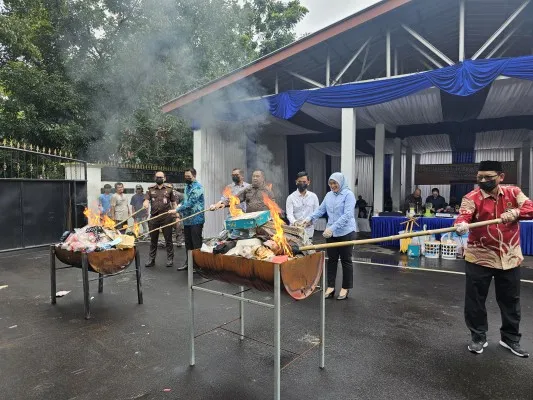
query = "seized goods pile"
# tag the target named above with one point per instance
(261, 235)
(99, 234)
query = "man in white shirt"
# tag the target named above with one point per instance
(302, 203)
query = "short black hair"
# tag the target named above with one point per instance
(259, 170)
(191, 170)
(118, 184)
(108, 186)
(301, 174)
(237, 169)
(435, 190)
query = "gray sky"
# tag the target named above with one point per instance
(325, 12)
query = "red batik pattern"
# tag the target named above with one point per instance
(494, 246)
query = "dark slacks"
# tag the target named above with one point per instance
(345, 254)
(167, 233)
(193, 236)
(507, 286)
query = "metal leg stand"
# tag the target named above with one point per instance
(53, 274)
(323, 316)
(241, 312)
(277, 333)
(100, 283)
(191, 305)
(85, 278)
(138, 275)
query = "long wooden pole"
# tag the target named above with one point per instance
(178, 220)
(396, 237)
(132, 215)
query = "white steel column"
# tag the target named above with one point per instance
(348, 146)
(526, 161)
(396, 190)
(408, 172)
(388, 55)
(328, 69)
(379, 165)
(461, 30)
(199, 151)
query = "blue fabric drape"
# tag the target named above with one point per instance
(461, 79)
(388, 226)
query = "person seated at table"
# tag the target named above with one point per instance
(438, 202)
(361, 204)
(415, 199)
(454, 203)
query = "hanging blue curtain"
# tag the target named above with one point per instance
(462, 79)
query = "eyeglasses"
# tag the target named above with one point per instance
(486, 177)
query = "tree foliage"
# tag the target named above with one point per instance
(89, 76)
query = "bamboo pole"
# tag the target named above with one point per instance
(146, 220)
(126, 220)
(177, 220)
(396, 237)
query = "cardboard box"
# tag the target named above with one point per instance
(248, 221)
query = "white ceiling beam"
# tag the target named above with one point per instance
(349, 63)
(504, 40)
(426, 43)
(498, 32)
(461, 30)
(367, 66)
(426, 55)
(305, 79)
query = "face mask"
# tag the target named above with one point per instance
(235, 179)
(435, 195)
(188, 180)
(302, 187)
(159, 181)
(487, 186)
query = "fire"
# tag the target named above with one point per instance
(234, 201)
(95, 219)
(136, 229)
(279, 237)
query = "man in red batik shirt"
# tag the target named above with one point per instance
(493, 251)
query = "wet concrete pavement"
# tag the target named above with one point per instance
(400, 335)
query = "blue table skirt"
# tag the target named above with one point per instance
(387, 226)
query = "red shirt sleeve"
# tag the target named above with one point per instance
(525, 205)
(466, 212)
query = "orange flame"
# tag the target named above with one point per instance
(234, 201)
(278, 237)
(95, 219)
(136, 229)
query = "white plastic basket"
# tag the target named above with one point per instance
(448, 248)
(432, 249)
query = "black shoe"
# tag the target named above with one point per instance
(477, 346)
(182, 268)
(345, 296)
(150, 264)
(515, 349)
(170, 264)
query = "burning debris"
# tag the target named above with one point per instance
(261, 235)
(99, 234)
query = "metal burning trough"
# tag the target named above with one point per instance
(106, 262)
(299, 276)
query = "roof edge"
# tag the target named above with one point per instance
(283, 53)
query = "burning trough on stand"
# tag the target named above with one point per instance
(97, 247)
(255, 251)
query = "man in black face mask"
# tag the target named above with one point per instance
(238, 185)
(302, 203)
(493, 251)
(160, 197)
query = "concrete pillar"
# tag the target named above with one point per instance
(199, 152)
(518, 160)
(379, 165)
(348, 146)
(396, 190)
(408, 172)
(525, 170)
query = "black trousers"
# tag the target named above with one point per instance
(193, 236)
(507, 286)
(167, 233)
(345, 254)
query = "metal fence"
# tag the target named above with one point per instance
(43, 192)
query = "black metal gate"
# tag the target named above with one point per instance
(42, 194)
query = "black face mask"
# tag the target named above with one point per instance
(235, 179)
(302, 187)
(488, 186)
(188, 181)
(159, 181)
